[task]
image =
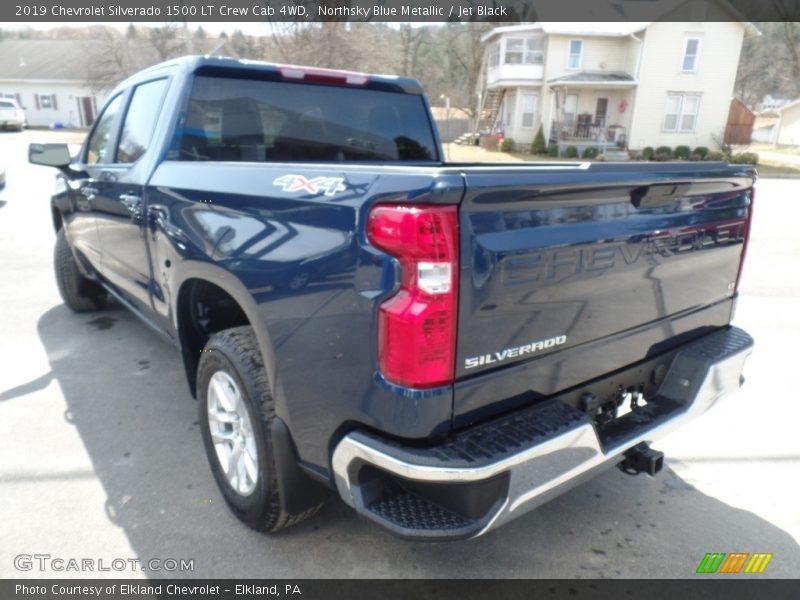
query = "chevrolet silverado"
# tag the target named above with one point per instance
(442, 345)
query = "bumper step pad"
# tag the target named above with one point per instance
(409, 511)
(492, 441)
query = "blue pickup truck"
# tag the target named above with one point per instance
(442, 345)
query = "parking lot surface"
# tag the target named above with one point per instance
(101, 456)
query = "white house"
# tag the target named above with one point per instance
(788, 127)
(49, 78)
(629, 84)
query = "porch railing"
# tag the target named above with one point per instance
(578, 129)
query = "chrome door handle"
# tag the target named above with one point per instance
(157, 214)
(89, 192)
(132, 202)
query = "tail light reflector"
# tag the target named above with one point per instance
(417, 326)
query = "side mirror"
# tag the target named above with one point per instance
(49, 155)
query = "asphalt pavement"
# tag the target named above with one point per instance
(101, 457)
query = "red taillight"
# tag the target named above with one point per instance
(747, 226)
(417, 326)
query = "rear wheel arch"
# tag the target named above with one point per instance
(230, 305)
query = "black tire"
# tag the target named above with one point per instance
(235, 351)
(78, 293)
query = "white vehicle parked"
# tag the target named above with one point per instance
(11, 115)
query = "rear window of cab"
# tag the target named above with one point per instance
(262, 121)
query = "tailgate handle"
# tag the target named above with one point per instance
(658, 194)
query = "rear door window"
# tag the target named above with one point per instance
(251, 120)
(140, 120)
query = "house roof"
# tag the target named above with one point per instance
(792, 104)
(588, 28)
(71, 60)
(47, 59)
(594, 77)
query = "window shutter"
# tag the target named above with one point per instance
(55, 102)
(36, 98)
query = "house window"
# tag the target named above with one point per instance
(514, 47)
(682, 112)
(45, 101)
(528, 110)
(575, 54)
(524, 51)
(691, 52)
(533, 51)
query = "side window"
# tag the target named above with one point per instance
(140, 120)
(98, 143)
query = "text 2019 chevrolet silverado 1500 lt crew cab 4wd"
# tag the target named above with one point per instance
(443, 345)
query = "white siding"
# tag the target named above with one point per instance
(599, 54)
(521, 135)
(66, 110)
(660, 73)
(789, 131)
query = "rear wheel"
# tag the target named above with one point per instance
(78, 293)
(236, 410)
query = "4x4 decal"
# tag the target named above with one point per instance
(330, 186)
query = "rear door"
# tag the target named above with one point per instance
(120, 205)
(81, 221)
(569, 273)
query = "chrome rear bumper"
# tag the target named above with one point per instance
(414, 492)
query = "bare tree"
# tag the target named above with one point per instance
(116, 56)
(166, 41)
(411, 39)
(465, 50)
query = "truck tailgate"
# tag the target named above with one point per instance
(570, 272)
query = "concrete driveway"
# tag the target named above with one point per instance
(101, 457)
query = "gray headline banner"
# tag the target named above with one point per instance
(508, 11)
